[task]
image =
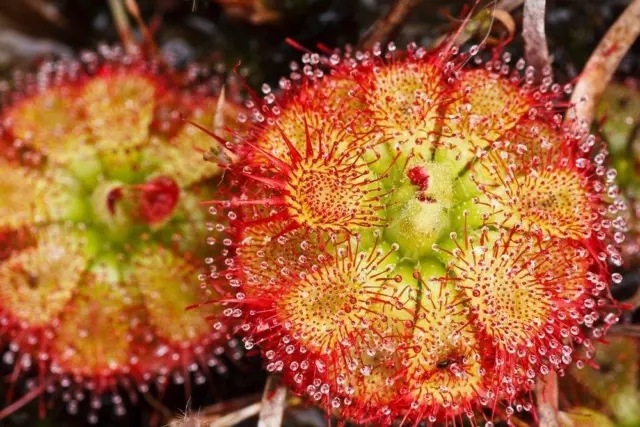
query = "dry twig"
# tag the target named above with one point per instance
(233, 418)
(122, 24)
(223, 414)
(274, 400)
(483, 22)
(625, 330)
(536, 50)
(48, 11)
(603, 63)
(547, 400)
(388, 25)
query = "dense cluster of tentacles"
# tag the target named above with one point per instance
(417, 235)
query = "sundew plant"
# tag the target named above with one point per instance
(103, 239)
(418, 235)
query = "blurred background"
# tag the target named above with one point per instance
(222, 32)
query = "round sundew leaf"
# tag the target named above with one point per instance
(169, 284)
(317, 177)
(38, 281)
(555, 201)
(119, 109)
(488, 106)
(93, 335)
(442, 359)
(182, 156)
(507, 298)
(328, 309)
(30, 197)
(52, 122)
(403, 99)
(314, 115)
(326, 197)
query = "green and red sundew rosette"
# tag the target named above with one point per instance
(418, 236)
(103, 239)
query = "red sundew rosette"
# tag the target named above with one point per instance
(444, 167)
(103, 245)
